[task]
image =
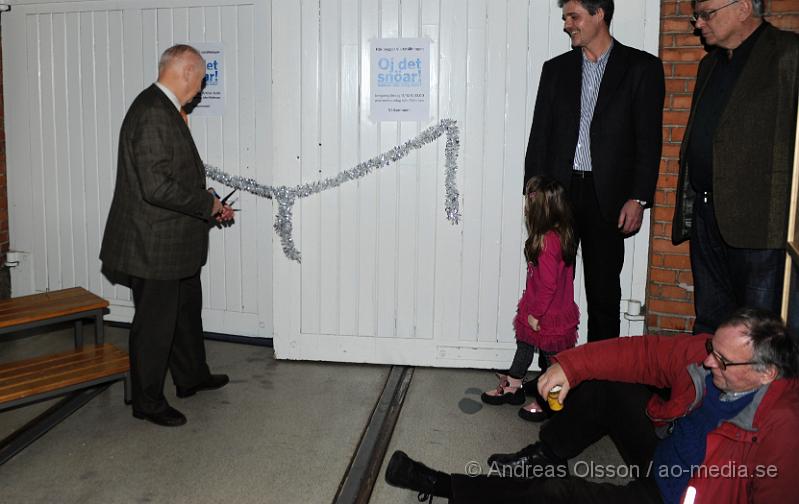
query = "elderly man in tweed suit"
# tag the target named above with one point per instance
(156, 238)
(736, 161)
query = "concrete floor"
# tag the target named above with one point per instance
(281, 432)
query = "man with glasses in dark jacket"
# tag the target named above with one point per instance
(736, 161)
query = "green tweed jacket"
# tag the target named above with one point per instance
(753, 147)
(158, 224)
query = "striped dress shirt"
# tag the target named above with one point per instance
(592, 79)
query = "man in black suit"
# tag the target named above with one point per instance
(597, 130)
(156, 238)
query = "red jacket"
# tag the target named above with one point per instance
(760, 445)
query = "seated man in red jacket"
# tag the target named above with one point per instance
(726, 433)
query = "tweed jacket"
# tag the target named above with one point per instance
(158, 224)
(752, 147)
(626, 128)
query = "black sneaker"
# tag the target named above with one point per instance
(516, 398)
(404, 472)
(533, 461)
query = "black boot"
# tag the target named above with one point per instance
(404, 472)
(534, 461)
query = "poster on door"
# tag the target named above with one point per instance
(212, 98)
(400, 79)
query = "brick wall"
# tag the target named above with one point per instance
(669, 298)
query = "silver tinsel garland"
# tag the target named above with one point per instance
(286, 196)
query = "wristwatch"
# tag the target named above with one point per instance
(640, 202)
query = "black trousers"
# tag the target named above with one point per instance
(592, 410)
(167, 333)
(727, 278)
(603, 258)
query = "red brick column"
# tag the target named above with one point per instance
(669, 289)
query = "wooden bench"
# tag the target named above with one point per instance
(53, 375)
(79, 374)
(36, 310)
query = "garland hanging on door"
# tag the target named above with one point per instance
(286, 196)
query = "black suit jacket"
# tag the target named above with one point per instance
(158, 224)
(626, 130)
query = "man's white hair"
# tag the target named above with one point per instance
(757, 6)
(174, 53)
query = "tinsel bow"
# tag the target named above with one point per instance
(286, 196)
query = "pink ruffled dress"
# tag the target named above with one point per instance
(549, 297)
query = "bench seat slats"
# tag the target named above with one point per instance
(51, 363)
(47, 305)
(49, 382)
(72, 368)
(38, 298)
(69, 306)
(49, 297)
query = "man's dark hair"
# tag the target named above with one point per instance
(592, 5)
(772, 344)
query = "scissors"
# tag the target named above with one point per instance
(226, 198)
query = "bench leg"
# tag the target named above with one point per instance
(99, 328)
(34, 429)
(79, 333)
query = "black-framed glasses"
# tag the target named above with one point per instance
(723, 363)
(706, 15)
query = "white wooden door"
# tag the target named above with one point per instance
(385, 278)
(71, 69)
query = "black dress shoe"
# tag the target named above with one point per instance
(170, 417)
(404, 472)
(215, 381)
(533, 461)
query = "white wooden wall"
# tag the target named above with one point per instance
(384, 277)
(72, 68)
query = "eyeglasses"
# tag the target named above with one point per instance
(708, 14)
(723, 363)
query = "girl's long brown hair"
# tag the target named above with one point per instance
(547, 210)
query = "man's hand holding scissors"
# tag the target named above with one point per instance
(221, 211)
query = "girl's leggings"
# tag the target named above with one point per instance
(524, 357)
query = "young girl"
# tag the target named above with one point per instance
(546, 317)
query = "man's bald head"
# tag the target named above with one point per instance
(182, 69)
(178, 55)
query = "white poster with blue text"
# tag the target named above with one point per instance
(400, 73)
(212, 102)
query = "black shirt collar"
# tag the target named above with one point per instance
(742, 51)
